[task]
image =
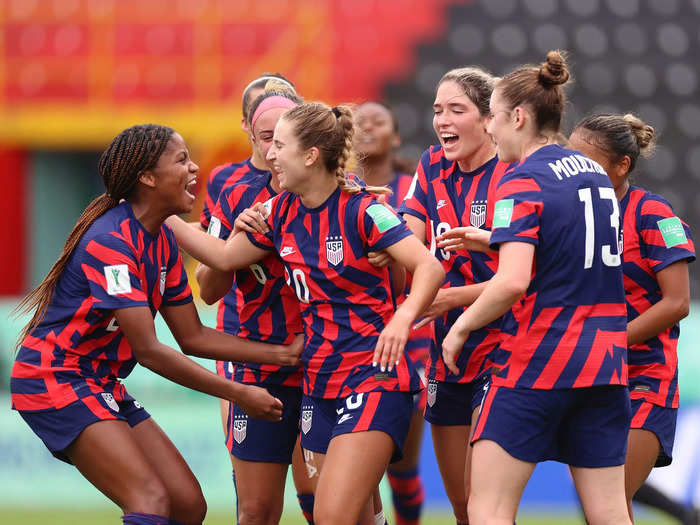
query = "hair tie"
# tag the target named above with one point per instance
(336, 111)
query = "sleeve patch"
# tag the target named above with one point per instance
(502, 213)
(672, 231)
(214, 227)
(383, 217)
(118, 281)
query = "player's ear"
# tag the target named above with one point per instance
(147, 178)
(244, 126)
(311, 155)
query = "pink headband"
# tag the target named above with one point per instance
(273, 102)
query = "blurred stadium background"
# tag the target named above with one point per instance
(73, 73)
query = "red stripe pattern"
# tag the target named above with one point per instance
(78, 348)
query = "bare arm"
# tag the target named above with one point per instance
(465, 238)
(137, 325)
(234, 254)
(500, 293)
(416, 225)
(196, 339)
(673, 306)
(428, 275)
(450, 298)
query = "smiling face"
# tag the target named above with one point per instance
(175, 175)
(264, 131)
(458, 124)
(502, 129)
(286, 157)
(375, 136)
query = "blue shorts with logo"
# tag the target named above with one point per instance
(582, 427)
(659, 420)
(452, 404)
(59, 428)
(324, 419)
(252, 439)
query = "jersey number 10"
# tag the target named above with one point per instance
(585, 196)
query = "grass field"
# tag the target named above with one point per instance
(107, 516)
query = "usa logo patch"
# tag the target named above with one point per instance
(240, 427)
(306, 418)
(109, 399)
(432, 393)
(334, 249)
(477, 215)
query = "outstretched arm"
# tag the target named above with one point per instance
(502, 291)
(137, 325)
(196, 339)
(234, 254)
(428, 275)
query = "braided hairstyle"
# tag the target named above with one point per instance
(619, 136)
(331, 130)
(133, 151)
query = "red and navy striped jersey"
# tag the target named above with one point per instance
(345, 301)
(445, 197)
(419, 341)
(654, 238)
(78, 346)
(569, 329)
(260, 306)
(220, 178)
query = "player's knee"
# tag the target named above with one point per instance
(190, 508)
(257, 512)
(326, 515)
(150, 497)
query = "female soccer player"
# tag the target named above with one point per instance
(355, 416)
(454, 187)
(226, 174)
(657, 250)
(562, 393)
(376, 141)
(93, 321)
(257, 305)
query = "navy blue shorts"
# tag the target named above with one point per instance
(59, 428)
(659, 420)
(324, 419)
(582, 427)
(451, 404)
(252, 439)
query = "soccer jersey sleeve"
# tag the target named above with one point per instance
(416, 200)
(664, 237)
(516, 215)
(381, 226)
(176, 290)
(222, 216)
(111, 269)
(266, 240)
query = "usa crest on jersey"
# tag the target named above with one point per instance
(334, 249)
(306, 418)
(477, 215)
(163, 276)
(432, 392)
(240, 427)
(111, 402)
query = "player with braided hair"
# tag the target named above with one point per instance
(257, 304)
(93, 321)
(357, 401)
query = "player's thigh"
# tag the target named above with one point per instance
(186, 498)
(300, 474)
(451, 444)
(501, 479)
(352, 469)
(642, 452)
(108, 455)
(602, 494)
(260, 490)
